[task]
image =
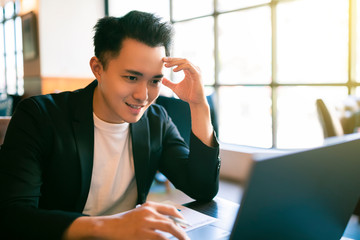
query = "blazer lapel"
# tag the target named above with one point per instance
(141, 152)
(83, 126)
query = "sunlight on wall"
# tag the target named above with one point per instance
(28, 6)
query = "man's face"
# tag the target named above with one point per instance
(130, 84)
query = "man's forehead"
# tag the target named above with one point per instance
(133, 43)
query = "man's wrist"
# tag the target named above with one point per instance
(201, 123)
(84, 227)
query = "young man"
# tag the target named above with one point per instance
(71, 160)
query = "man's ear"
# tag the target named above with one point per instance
(96, 67)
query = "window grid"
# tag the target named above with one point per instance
(14, 17)
(351, 83)
(4, 53)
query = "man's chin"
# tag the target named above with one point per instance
(131, 117)
(134, 119)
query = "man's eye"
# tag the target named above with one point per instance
(132, 78)
(156, 81)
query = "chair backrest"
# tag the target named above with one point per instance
(336, 125)
(179, 111)
(350, 114)
(329, 121)
(6, 106)
(4, 122)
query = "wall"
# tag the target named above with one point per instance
(65, 38)
(236, 161)
(235, 165)
(32, 76)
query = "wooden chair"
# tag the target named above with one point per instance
(329, 120)
(4, 122)
(179, 111)
(337, 122)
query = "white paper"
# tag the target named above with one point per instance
(194, 218)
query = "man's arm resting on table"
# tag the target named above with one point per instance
(139, 223)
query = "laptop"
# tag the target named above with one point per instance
(309, 194)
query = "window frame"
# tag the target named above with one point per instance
(351, 84)
(3, 21)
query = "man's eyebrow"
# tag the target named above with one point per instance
(136, 73)
(159, 76)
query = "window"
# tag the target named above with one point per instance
(310, 50)
(268, 61)
(11, 56)
(272, 60)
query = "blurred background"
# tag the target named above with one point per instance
(267, 62)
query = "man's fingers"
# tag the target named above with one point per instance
(172, 60)
(168, 226)
(183, 66)
(156, 218)
(169, 210)
(164, 209)
(169, 83)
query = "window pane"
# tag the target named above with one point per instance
(298, 124)
(184, 9)
(225, 5)
(209, 90)
(9, 10)
(2, 63)
(357, 24)
(18, 34)
(9, 37)
(312, 41)
(1, 13)
(2, 74)
(11, 73)
(20, 90)
(119, 8)
(20, 65)
(1, 40)
(17, 6)
(245, 116)
(245, 50)
(198, 46)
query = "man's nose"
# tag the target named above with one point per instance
(141, 92)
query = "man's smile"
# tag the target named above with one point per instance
(135, 106)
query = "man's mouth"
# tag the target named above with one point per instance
(134, 106)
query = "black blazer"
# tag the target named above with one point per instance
(47, 158)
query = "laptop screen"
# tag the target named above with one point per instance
(307, 194)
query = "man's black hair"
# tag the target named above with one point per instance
(141, 26)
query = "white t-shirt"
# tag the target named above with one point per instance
(113, 185)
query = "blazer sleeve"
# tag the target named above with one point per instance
(194, 169)
(22, 164)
